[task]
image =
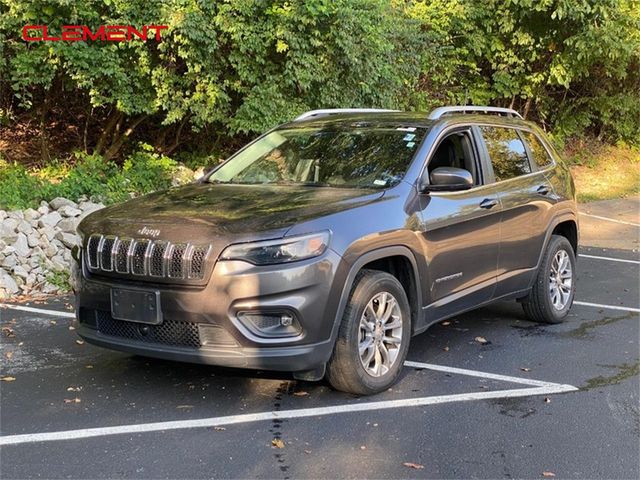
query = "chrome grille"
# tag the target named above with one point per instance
(143, 257)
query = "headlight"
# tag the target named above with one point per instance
(283, 250)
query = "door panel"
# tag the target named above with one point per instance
(461, 240)
(525, 195)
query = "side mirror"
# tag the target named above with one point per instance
(447, 179)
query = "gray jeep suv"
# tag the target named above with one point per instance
(323, 246)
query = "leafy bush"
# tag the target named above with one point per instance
(18, 189)
(90, 175)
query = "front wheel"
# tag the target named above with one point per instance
(552, 294)
(373, 339)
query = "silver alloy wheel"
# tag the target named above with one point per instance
(380, 334)
(560, 280)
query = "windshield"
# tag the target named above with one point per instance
(359, 157)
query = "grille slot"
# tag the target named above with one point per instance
(197, 265)
(176, 261)
(156, 259)
(105, 253)
(92, 250)
(144, 257)
(138, 261)
(122, 255)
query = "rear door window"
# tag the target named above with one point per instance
(507, 152)
(539, 154)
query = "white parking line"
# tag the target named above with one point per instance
(539, 388)
(38, 310)
(624, 222)
(610, 259)
(608, 307)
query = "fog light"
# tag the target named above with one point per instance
(271, 324)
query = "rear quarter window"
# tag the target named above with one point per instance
(539, 153)
(507, 152)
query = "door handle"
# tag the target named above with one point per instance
(542, 190)
(488, 203)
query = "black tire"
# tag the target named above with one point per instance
(345, 369)
(538, 305)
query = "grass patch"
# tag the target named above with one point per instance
(604, 172)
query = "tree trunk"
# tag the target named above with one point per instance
(112, 121)
(176, 141)
(527, 107)
(119, 139)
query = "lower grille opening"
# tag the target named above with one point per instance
(169, 332)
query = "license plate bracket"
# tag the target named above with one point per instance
(141, 306)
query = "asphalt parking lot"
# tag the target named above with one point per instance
(530, 401)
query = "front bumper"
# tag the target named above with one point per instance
(202, 325)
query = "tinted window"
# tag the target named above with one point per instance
(538, 152)
(507, 152)
(351, 156)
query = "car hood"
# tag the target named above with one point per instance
(215, 210)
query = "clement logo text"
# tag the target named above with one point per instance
(82, 33)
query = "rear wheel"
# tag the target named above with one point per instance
(374, 335)
(552, 294)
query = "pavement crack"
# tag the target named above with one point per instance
(285, 388)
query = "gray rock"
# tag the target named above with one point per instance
(48, 232)
(31, 214)
(43, 209)
(7, 234)
(16, 214)
(21, 245)
(68, 225)
(9, 261)
(49, 220)
(20, 271)
(24, 227)
(3, 215)
(7, 282)
(68, 239)
(69, 211)
(10, 224)
(59, 202)
(51, 250)
(33, 240)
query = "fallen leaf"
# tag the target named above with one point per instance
(219, 429)
(548, 474)
(53, 322)
(184, 406)
(8, 355)
(300, 394)
(72, 400)
(525, 369)
(416, 466)
(445, 323)
(446, 349)
(88, 366)
(74, 389)
(276, 442)
(8, 332)
(71, 327)
(7, 378)
(307, 452)
(20, 344)
(547, 400)
(363, 447)
(481, 340)
(80, 342)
